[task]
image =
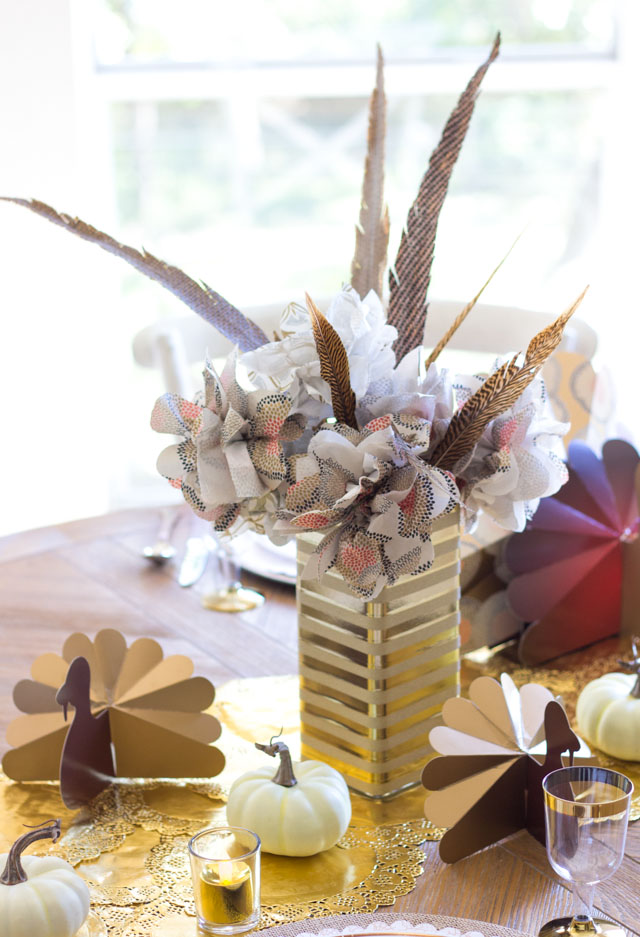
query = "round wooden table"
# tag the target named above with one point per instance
(87, 575)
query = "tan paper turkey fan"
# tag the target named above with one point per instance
(153, 706)
(495, 749)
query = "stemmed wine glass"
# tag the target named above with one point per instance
(586, 814)
(225, 592)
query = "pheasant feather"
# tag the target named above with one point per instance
(462, 315)
(334, 366)
(497, 394)
(409, 279)
(213, 307)
(372, 231)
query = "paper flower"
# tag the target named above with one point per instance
(292, 363)
(156, 711)
(378, 495)
(409, 389)
(232, 450)
(517, 461)
(568, 564)
(496, 747)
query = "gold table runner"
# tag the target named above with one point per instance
(131, 842)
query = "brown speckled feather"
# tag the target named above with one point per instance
(409, 278)
(213, 307)
(499, 392)
(334, 366)
(372, 231)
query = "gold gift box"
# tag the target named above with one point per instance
(374, 675)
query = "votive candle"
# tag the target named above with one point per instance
(225, 869)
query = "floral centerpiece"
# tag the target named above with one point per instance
(343, 428)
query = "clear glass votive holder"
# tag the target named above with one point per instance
(225, 869)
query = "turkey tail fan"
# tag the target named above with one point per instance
(499, 392)
(410, 277)
(213, 307)
(372, 230)
(334, 366)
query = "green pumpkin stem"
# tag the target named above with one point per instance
(284, 776)
(633, 666)
(13, 872)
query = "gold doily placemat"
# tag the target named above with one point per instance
(130, 843)
(566, 677)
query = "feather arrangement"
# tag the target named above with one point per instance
(213, 307)
(372, 231)
(331, 428)
(334, 366)
(409, 279)
(498, 393)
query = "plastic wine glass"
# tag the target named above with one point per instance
(228, 594)
(586, 815)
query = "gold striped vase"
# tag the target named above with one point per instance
(374, 675)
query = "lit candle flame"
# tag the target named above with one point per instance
(225, 872)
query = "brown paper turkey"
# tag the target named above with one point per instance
(495, 747)
(136, 714)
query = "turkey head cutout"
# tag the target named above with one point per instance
(86, 765)
(495, 749)
(149, 706)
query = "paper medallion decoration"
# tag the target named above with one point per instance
(496, 748)
(577, 565)
(136, 713)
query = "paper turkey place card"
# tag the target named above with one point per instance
(495, 747)
(136, 713)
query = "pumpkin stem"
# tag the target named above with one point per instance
(633, 666)
(284, 775)
(13, 872)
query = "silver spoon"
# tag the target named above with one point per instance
(162, 550)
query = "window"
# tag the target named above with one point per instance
(229, 139)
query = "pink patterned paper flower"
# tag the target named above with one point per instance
(517, 461)
(376, 498)
(232, 454)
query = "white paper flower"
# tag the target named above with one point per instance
(409, 390)
(292, 363)
(517, 461)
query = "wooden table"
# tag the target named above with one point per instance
(87, 575)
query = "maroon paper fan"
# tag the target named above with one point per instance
(578, 562)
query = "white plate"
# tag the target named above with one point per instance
(258, 555)
(400, 928)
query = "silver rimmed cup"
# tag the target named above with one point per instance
(586, 816)
(225, 870)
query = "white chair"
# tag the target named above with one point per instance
(175, 345)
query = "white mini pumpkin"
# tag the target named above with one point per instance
(40, 896)
(302, 810)
(608, 712)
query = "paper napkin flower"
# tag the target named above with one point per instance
(495, 748)
(155, 705)
(518, 460)
(570, 573)
(292, 363)
(232, 451)
(378, 495)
